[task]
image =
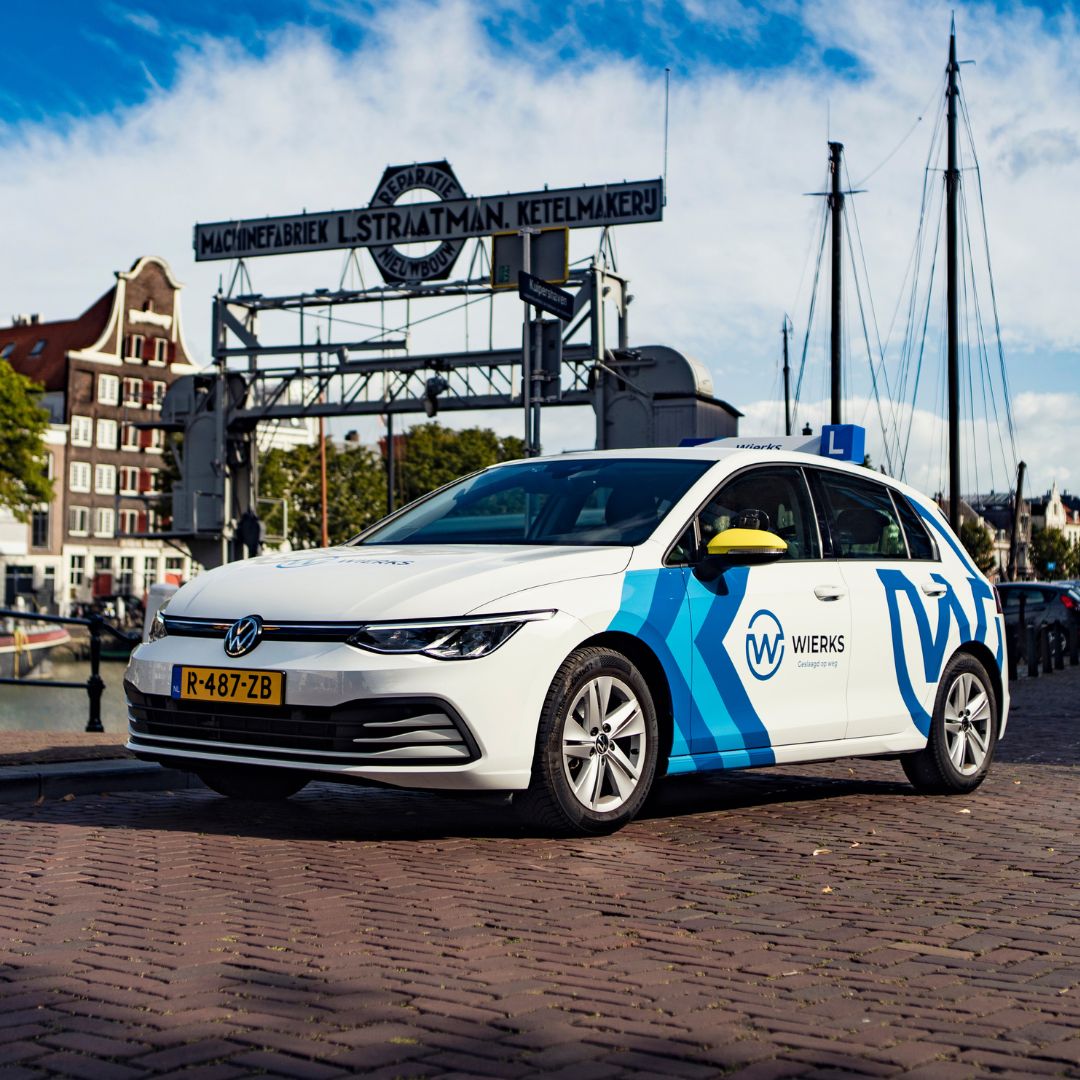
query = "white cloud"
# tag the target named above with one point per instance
(309, 127)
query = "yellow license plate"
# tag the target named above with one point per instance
(228, 684)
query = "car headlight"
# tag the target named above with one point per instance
(157, 626)
(445, 639)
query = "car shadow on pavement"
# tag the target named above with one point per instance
(335, 812)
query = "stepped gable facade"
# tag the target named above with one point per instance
(104, 372)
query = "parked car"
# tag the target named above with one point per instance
(567, 629)
(1054, 604)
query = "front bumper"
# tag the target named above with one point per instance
(405, 720)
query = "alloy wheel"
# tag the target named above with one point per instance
(967, 723)
(604, 743)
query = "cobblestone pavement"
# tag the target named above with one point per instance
(816, 921)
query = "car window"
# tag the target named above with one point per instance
(862, 518)
(920, 543)
(682, 552)
(774, 498)
(584, 501)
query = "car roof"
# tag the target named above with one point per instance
(737, 456)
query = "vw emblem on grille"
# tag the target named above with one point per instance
(243, 635)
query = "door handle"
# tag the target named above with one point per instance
(933, 588)
(829, 592)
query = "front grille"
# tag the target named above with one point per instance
(177, 626)
(398, 731)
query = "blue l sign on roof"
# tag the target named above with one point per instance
(843, 442)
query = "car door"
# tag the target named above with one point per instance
(770, 658)
(899, 596)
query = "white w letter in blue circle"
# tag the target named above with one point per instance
(764, 644)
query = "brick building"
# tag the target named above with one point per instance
(103, 373)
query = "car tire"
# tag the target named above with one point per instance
(596, 747)
(963, 732)
(252, 782)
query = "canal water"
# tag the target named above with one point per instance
(37, 708)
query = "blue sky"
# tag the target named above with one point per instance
(83, 58)
(125, 123)
(70, 58)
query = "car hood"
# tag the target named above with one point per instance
(385, 582)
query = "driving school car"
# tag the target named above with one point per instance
(570, 629)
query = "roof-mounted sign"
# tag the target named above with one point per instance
(841, 442)
(387, 224)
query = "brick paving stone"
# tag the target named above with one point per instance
(403, 934)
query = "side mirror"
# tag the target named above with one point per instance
(741, 547)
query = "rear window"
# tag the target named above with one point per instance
(862, 518)
(920, 543)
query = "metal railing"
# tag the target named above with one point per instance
(94, 685)
(1043, 648)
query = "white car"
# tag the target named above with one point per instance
(568, 629)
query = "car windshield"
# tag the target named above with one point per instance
(583, 501)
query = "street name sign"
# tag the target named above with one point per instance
(539, 293)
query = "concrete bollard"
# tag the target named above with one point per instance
(1031, 652)
(1045, 651)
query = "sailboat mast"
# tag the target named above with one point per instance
(787, 382)
(836, 206)
(952, 188)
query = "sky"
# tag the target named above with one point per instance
(124, 124)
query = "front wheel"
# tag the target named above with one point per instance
(963, 732)
(596, 747)
(252, 782)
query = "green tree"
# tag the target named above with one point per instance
(355, 485)
(432, 455)
(1050, 553)
(23, 480)
(1072, 561)
(979, 544)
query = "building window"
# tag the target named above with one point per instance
(78, 520)
(131, 437)
(129, 480)
(157, 440)
(104, 521)
(79, 476)
(129, 522)
(78, 569)
(149, 571)
(133, 392)
(38, 346)
(158, 395)
(50, 466)
(82, 431)
(106, 434)
(174, 564)
(125, 580)
(108, 390)
(135, 347)
(105, 479)
(152, 480)
(161, 350)
(103, 564)
(9, 348)
(39, 528)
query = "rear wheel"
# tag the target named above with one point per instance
(596, 747)
(963, 732)
(252, 782)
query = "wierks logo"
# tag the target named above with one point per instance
(764, 644)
